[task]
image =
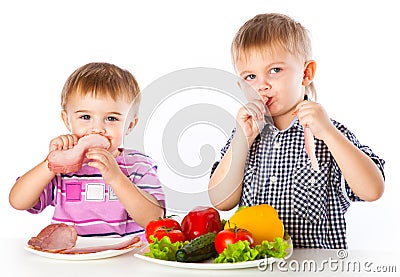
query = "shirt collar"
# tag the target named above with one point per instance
(295, 124)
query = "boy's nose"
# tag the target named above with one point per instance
(98, 128)
(263, 87)
(98, 131)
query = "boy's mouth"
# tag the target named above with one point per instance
(268, 101)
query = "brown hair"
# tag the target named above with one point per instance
(101, 79)
(270, 31)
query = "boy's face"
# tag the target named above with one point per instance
(278, 77)
(85, 115)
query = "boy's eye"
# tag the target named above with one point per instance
(112, 118)
(250, 77)
(85, 117)
(275, 70)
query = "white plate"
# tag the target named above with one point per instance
(85, 242)
(209, 264)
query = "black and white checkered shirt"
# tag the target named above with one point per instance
(310, 204)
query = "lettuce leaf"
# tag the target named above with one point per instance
(163, 249)
(242, 252)
(237, 252)
(276, 248)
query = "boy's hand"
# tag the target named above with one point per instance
(314, 116)
(105, 162)
(63, 142)
(250, 119)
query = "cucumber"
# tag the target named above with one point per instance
(199, 249)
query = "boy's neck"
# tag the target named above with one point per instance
(282, 122)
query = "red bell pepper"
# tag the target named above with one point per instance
(200, 221)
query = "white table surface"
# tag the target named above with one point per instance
(16, 261)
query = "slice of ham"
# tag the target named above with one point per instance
(55, 238)
(129, 243)
(310, 148)
(71, 160)
(310, 144)
(61, 238)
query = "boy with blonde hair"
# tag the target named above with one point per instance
(117, 192)
(272, 53)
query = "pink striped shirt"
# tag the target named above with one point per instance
(82, 198)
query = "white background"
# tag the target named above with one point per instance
(42, 42)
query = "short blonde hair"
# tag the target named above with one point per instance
(99, 80)
(266, 32)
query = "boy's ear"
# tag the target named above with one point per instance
(131, 125)
(64, 117)
(309, 72)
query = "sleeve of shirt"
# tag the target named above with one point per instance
(146, 178)
(223, 151)
(47, 197)
(368, 151)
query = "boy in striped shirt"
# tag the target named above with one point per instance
(117, 192)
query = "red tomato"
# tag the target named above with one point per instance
(200, 221)
(174, 235)
(230, 236)
(167, 222)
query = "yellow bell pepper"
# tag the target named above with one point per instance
(262, 221)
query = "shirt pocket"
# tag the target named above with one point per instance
(310, 192)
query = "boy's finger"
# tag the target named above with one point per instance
(54, 146)
(254, 112)
(70, 141)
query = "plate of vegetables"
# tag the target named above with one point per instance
(203, 241)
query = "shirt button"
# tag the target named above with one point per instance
(312, 180)
(276, 144)
(274, 179)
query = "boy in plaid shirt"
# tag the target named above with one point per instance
(269, 164)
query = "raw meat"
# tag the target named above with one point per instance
(55, 238)
(71, 160)
(310, 148)
(129, 243)
(61, 238)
